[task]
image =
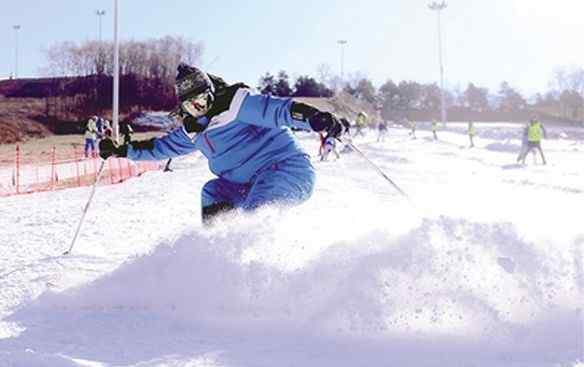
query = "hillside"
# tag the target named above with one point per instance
(17, 119)
(24, 104)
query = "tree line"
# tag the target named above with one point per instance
(396, 99)
(148, 69)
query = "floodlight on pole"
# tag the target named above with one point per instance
(438, 7)
(99, 13)
(342, 43)
(116, 91)
(16, 29)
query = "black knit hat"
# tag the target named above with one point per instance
(191, 81)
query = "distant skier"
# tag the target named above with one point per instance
(535, 132)
(329, 146)
(245, 136)
(435, 128)
(382, 130)
(90, 137)
(360, 123)
(126, 130)
(412, 128)
(472, 131)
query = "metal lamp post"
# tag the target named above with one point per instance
(99, 13)
(342, 43)
(116, 91)
(438, 7)
(16, 29)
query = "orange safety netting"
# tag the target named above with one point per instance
(24, 172)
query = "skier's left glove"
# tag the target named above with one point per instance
(326, 121)
(107, 148)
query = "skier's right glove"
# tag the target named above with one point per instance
(107, 148)
(326, 121)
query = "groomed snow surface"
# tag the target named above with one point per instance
(484, 268)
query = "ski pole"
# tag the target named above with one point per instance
(99, 172)
(350, 144)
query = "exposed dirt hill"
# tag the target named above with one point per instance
(17, 121)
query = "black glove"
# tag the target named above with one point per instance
(326, 121)
(108, 148)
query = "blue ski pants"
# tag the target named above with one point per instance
(291, 180)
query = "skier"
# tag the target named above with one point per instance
(472, 131)
(434, 128)
(360, 123)
(382, 130)
(245, 136)
(126, 130)
(413, 128)
(535, 132)
(90, 136)
(329, 145)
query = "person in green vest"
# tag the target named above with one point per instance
(435, 128)
(535, 132)
(360, 123)
(472, 131)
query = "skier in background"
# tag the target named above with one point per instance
(412, 128)
(360, 123)
(245, 136)
(382, 130)
(472, 131)
(126, 130)
(535, 132)
(434, 128)
(329, 145)
(90, 137)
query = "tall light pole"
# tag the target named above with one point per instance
(16, 29)
(99, 13)
(342, 43)
(438, 7)
(116, 91)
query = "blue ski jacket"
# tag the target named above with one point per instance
(252, 134)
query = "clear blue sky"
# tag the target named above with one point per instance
(485, 41)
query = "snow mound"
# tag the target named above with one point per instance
(439, 277)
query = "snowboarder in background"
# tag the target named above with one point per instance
(245, 136)
(360, 123)
(472, 131)
(435, 129)
(90, 136)
(535, 132)
(382, 130)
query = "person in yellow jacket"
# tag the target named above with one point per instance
(90, 136)
(535, 132)
(360, 123)
(472, 131)
(434, 128)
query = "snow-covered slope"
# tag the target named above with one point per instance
(484, 269)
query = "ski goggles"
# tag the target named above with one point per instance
(198, 105)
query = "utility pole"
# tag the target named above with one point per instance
(116, 91)
(99, 13)
(16, 29)
(342, 43)
(438, 7)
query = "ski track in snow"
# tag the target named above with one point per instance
(484, 269)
